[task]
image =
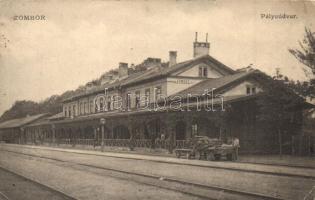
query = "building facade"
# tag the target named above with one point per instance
(162, 106)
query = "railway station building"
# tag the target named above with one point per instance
(161, 106)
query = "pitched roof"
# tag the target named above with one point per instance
(215, 83)
(206, 58)
(155, 72)
(15, 123)
(56, 116)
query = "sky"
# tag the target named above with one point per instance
(80, 40)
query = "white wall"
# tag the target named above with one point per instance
(142, 87)
(175, 84)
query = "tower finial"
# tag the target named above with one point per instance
(196, 36)
(206, 37)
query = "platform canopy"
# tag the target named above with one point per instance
(16, 123)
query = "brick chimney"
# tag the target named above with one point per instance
(123, 69)
(201, 48)
(106, 78)
(152, 62)
(172, 59)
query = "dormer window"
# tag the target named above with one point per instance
(203, 71)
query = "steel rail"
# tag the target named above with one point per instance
(167, 179)
(66, 196)
(283, 174)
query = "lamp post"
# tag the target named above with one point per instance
(21, 136)
(53, 133)
(102, 121)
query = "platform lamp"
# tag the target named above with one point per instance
(102, 121)
(21, 136)
(53, 126)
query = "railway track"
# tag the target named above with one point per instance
(205, 166)
(279, 165)
(60, 194)
(189, 188)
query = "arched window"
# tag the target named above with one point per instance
(101, 104)
(69, 110)
(73, 107)
(109, 103)
(81, 108)
(147, 96)
(96, 107)
(85, 108)
(91, 106)
(137, 99)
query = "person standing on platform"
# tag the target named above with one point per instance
(236, 145)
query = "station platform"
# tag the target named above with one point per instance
(284, 166)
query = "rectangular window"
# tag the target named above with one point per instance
(158, 92)
(109, 103)
(74, 113)
(85, 108)
(81, 108)
(66, 112)
(69, 110)
(115, 102)
(194, 129)
(91, 106)
(147, 96)
(137, 99)
(248, 90)
(128, 100)
(205, 72)
(200, 71)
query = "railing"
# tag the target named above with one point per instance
(139, 143)
(143, 143)
(182, 144)
(116, 142)
(64, 141)
(90, 142)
